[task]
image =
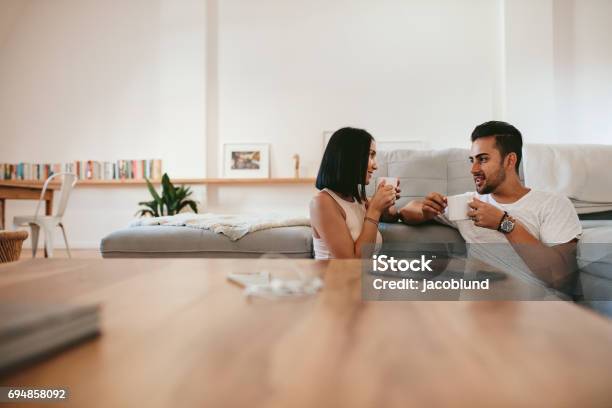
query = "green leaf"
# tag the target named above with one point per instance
(193, 205)
(187, 191)
(156, 196)
(182, 205)
(174, 199)
(172, 193)
(154, 208)
(157, 199)
(168, 194)
(180, 194)
(152, 205)
(142, 213)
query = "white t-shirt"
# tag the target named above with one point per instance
(549, 217)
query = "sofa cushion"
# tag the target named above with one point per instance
(588, 224)
(459, 172)
(446, 171)
(595, 262)
(603, 215)
(419, 171)
(595, 252)
(184, 242)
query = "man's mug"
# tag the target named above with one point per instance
(457, 206)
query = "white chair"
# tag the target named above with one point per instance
(49, 222)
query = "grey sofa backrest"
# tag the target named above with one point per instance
(446, 171)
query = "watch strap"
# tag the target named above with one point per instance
(501, 221)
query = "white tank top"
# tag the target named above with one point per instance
(355, 214)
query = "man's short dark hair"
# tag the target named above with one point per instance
(345, 163)
(508, 139)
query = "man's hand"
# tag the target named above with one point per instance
(484, 214)
(433, 205)
(390, 213)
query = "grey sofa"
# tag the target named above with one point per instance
(420, 172)
(184, 242)
(594, 286)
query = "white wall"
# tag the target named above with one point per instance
(102, 80)
(590, 101)
(291, 69)
(105, 80)
(559, 69)
(288, 70)
(530, 90)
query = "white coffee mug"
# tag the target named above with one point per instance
(457, 206)
(388, 181)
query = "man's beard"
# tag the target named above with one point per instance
(490, 186)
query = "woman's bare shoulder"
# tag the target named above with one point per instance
(323, 201)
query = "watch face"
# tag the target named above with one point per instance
(507, 225)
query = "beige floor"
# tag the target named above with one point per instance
(26, 253)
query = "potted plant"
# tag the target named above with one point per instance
(171, 201)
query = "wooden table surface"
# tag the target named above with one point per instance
(32, 191)
(177, 333)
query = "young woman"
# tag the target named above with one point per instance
(343, 219)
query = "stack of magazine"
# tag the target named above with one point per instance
(31, 331)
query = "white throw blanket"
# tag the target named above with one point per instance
(232, 226)
(580, 172)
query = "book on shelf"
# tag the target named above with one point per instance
(85, 170)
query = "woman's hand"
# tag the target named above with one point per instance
(384, 198)
(391, 214)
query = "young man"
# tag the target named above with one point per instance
(542, 227)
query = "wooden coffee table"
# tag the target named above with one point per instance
(177, 333)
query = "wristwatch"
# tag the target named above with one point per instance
(506, 224)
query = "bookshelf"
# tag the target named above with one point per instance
(178, 181)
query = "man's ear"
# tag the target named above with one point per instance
(510, 160)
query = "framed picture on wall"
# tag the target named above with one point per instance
(246, 160)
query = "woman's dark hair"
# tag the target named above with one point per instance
(345, 163)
